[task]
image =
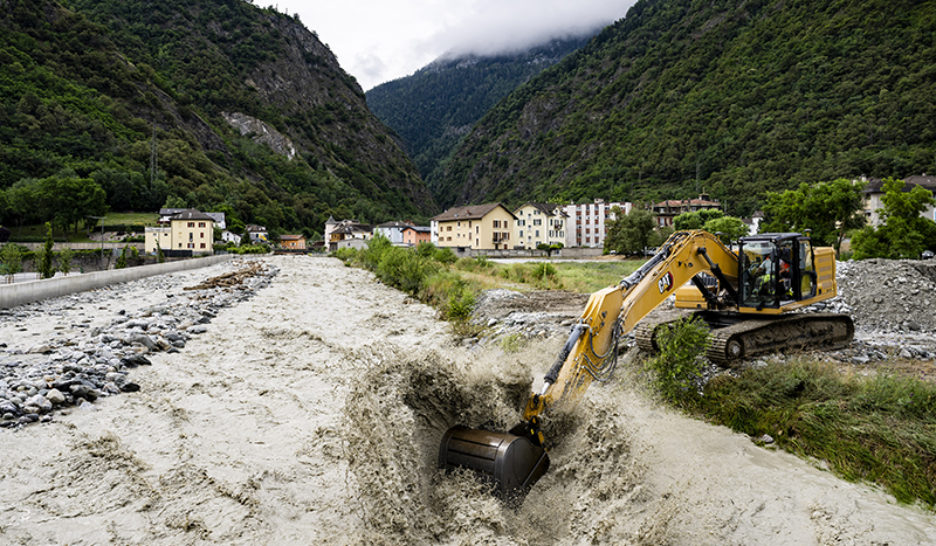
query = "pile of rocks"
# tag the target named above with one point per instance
(537, 314)
(889, 295)
(75, 372)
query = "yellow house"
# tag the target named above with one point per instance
(479, 227)
(540, 223)
(188, 231)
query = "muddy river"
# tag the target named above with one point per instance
(311, 414)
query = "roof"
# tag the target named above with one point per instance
(419, 229)
(470, 212)
(393, 225)
(876, 185)
(291, 237)
(255, 227)
(351, 228)
(549, 209)
(192, 214)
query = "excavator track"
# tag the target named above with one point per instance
(737, 337)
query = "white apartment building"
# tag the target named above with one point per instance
(585, 225)
(539, 223)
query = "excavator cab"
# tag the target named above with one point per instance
(775, 269)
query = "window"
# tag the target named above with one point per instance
(448, 228)
(537, 222)
(202, 235)
(201, 224)
(203, 245)
(191, 224)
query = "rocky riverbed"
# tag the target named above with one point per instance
(311, 413)
(78, 362)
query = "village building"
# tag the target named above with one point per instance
(539, 223)
(258, 234)
(874, 192)
(392, 231)
(413, 235)
(665, 211)
(230, 237)
(479, 227)
(293, 242)
(585, 222)
(187, 232)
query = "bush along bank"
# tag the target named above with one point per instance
(879, 429)
(423, 272)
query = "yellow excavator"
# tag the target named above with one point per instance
(747, 298)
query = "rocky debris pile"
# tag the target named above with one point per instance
(75, 372)
(503, 313)
(887, 295)
(231, 279)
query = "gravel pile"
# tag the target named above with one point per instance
(70, 371)
(888, 295)
(538, 314)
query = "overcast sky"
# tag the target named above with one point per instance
(381, 40)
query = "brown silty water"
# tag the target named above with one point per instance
(313, 412)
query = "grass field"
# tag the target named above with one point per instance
(37, 232)
(129, 219)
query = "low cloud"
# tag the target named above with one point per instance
(499, 26)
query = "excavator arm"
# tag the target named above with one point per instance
(517, 459)
(590, 351)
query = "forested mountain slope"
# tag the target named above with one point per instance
(733, 97)
(252, 113)
(433, 109)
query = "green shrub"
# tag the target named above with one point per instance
(376, 247)
(445, 255)
(347, 255)
(65, 259)
(426, 249)
(460, 304)
(405, 269)
(677, 368)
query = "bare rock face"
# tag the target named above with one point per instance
(261, 132)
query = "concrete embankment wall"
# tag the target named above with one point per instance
(25, 292)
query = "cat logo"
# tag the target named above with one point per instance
(665, 282)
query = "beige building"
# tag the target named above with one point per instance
(539, 223)
(479, 227)
(183, 232)
(874, 191)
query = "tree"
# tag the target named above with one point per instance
(731, 228)
(122, 259)
(44, 256)
(630, 233)
(11, 258)
(65, 259)
(904, 233)
(696, 219)
(829, 209)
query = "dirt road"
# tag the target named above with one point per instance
(312, 412)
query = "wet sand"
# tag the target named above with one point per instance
(312, 412)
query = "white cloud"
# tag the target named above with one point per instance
(376, 41)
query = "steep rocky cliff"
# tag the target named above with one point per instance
(252, 113)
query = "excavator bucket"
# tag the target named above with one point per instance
(515, 463)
